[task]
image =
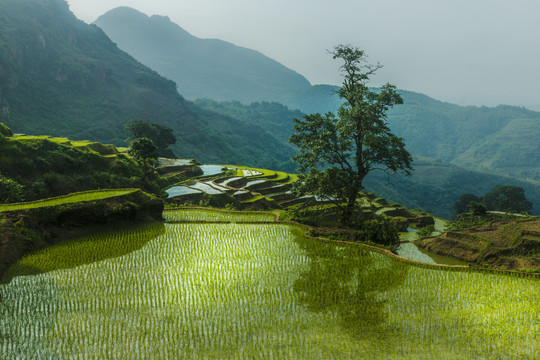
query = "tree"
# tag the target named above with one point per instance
(10, 190)
(336, 153)
(145, 153)
(161, 135)
(507, 198)
(476, 208)
(143, 150)
(461, 205)
(5, 131)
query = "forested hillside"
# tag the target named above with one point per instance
(202, 68)
(434, 186)
(62, 77)
(501, 140)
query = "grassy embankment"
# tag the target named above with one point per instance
(502, 242)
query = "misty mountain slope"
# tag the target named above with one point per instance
(501, 140)
(202, 68)
(62, 77)
(435, 186)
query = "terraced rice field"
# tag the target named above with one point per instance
(237, 290)
(68, 199)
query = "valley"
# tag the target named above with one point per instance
(165, 196)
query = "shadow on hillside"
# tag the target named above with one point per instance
(87, 249)
(349, 282)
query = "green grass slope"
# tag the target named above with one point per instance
(48, 167)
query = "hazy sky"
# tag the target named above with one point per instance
(477, 52)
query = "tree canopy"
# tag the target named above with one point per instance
(461, 205)
(337, 152)
(143, 150)
(162, 136)
(506, 198)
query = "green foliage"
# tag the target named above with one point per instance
(476, 208)
(426, 231)
(461, 205)
(45, 168)
(5, 131)
(143, 150)
(381, 231)
(10, 190)
(351, 145)
(507, 198)
(161, 136)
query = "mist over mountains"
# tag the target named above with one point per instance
(501, 140)
(209, 68)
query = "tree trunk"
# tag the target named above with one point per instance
(349, 208)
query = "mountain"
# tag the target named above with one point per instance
(501, 140)
(201, 67)
(434, 186)
(62, 77)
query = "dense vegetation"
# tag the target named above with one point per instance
(504, 198)
(62, 77)
(35, 167)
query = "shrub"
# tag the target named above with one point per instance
(426, 231)
(5, 131)
(382, 232)
(10, 190)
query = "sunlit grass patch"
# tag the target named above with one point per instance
(219, 216)
(85, 250)
(68, 199)
(264, 291)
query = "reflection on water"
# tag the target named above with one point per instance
(181, 190)
(88, 249)
(410, 251)
(209, 170)
(349, 281)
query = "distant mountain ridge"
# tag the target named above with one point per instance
(60, 76)
(200, 67)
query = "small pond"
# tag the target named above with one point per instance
(411, 251)
(206, 188)
(180, 190)
(210, 170)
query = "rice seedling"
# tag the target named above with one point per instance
(263, 291)
(217, 216)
